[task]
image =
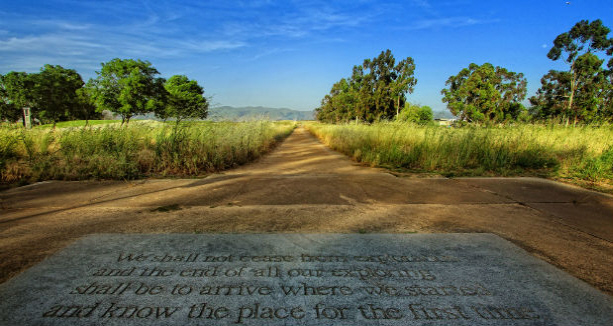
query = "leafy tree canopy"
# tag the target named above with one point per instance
(485, 94)
(416, 113)
(376, 90)
(584, 92)
(185, 99)
(128, 87)
(55, 93)
(15, 94)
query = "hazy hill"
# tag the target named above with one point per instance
(443, 115)
(257, 113)
(265, 113)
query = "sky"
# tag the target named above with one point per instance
(290, 53)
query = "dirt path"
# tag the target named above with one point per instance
(304, 187)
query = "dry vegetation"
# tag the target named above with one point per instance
(583, 155)
(143, 149)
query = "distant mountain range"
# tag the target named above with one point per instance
(257, 113)
(443, 115)
(248, 113)
(265, 113)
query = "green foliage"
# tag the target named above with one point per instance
(597, 168)
(55, 93)
(8, 110)
(416, 114)
(376, 90)
(18, 86)
(16, 92)
(485, 94)
(583, 153)
(86, 105)
(9, 142)
(78, 123)
(185, 99)
(127, 87)
(584, 92)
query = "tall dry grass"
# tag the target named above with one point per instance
(583, 153)
(115, 152)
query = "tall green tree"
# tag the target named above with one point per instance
(391, 82)
(550, 100)
(485, 93)
(8, 110)
(55, 93)
(17, 91)
(377, 89)
(127, 87)
(86, 106)
(185, 99)
(404, 81)
(583, 92)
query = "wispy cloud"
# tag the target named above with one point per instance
(421, 3)
(210, 46)
(62, 25)
(89, 33)
(49, 43)
(269, 52)
(302, 21)
(448, 22)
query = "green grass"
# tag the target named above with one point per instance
(583, 155)
(77, 123)
(139, 150)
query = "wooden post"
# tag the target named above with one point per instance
(27, 121)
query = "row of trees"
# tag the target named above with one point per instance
(485, 93)
(125, 87)
(54, 94)
(376, 90)
(585, 91)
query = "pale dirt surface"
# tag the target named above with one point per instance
(304, 187)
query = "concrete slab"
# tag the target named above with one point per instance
(298, 279)
(316, 189)
(586, 210)
(595, 219)
(535, 190)
(304, 187)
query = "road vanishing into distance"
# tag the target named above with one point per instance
(304, 187)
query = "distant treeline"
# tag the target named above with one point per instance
(125, 87)
(377, 89)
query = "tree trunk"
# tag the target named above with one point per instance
(397, 107)
(573, 85)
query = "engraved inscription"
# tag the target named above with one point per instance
(287, 288)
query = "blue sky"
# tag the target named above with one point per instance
(289, 53)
